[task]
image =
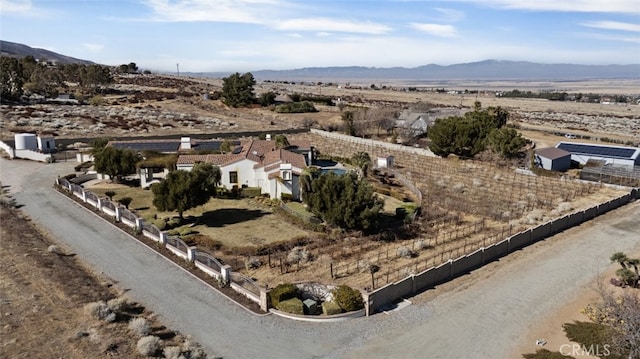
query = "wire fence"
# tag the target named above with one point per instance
(208, 260)
(245, 282)
(305, 216)
(127, 214)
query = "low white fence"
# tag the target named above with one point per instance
(33, 155)
(202, 260)
(8, 149)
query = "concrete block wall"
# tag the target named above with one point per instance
(453, 268)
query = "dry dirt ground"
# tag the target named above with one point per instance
(43, 292)
(166, 105)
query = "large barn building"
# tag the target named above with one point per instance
(610, 155)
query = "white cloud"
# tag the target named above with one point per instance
(618, 38)
(332, 25)
(240, 11)
(323, 34)
(21, 8)
(435, 29)
(93, 47)
(603, 6)
(450, 15)
(613, 25)
(15, 6)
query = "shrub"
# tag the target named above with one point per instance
(172, 352)
(192, 350)
(97, 101)
(99, 310)
(283, 292)
(54, 249)
(404, 252)
(250, 192)
(293, 306)
(160, 223)
(148, 345)
(140, 326)
(252, 263)
(186, 231)
(118, 305)
(297, 255)
(286, 197)
(331, 308)
(347, 298)
(296, 107)
(421, 244)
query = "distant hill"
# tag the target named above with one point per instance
(483, 70)
(489, 70)
(14, 49)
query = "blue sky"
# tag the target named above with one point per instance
(246, 35)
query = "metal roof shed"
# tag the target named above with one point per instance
(553, 159)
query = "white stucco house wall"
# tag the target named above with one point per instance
(257, 163)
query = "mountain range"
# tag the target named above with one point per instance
(483, 70)
(488, 70)
(14, 49)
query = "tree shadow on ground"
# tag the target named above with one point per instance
(226, 216)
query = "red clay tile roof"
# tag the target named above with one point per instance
(262, 152)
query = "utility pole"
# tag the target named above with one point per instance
(178, 69)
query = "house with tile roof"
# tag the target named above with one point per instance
(258, 163)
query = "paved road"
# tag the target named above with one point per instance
(480, 319)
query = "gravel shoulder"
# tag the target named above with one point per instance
(481, 315)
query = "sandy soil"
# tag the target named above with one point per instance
(550, 327)
(42, 294)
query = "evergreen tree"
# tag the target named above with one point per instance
(505, 141)
(182, 190)
(466, 136)
(237, 90)
(115, 162)
(344, 201)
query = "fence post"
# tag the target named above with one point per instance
(138, 224)
(225, 273)
(99, 204)
(163, 238)
(118, 213)
(84, 196)
(191, 254)
(264, 300)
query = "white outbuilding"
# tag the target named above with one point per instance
(26, 141)
(385, 161)
(620, 156)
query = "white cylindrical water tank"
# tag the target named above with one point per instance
(26, 141)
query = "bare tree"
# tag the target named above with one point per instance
(621, 313)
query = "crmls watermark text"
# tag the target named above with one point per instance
(576, 350)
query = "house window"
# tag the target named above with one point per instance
(233, 177)
(286, 175)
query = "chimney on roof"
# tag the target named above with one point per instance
(268, 137)
(185, 143)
